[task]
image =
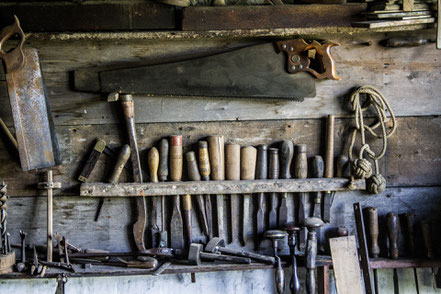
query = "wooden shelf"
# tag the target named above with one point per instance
(217, 187)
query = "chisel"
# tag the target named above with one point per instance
(329, 166)
(193, 175)
(123, 157)
(205, 170)
(232, 173)
(261, 174)
(153, 163)
(216, 151)
(176, 162)
(374, 248)
(317, 166)
(301, 172)
(286, 154)
(92, 160)
(393, 233)
(248, 157)
(273, 173)
(163, 175)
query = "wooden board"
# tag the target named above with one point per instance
(406, 281)
(346, 265)
(89, 16)
(385, 281)
(426, 281)
(373, 24)
(269, 17)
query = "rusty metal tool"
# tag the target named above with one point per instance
(163, 175)
(205, 170)
(329, 166)
(232, 173)
(363, 248)
(261, 174)
(301, 172)
(294, 284)
(128, 107)
(153, 163)
(217, 164)
(275, 236)
(193, 175)
(286, 154)
(21, 265)
(196, 254)
(317, 166)
(92, 160)
(313, 224)
(217, 245)
(35, 132)
(123, 157)
(176, 164)
(248, 157)
(273, 173)
(49, 185)
(373, 230)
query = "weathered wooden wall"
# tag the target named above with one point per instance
(409, 78)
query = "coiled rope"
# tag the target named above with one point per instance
(361, 167)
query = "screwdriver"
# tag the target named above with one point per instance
(176, 162)
(153, 163)
(301, 172)
(261, 174)
(247, 172)
(232, 173)
(273, 173)
(286, 154)
(193, 175)
(163, 175)
(205, 170)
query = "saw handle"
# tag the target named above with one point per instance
(14, 58)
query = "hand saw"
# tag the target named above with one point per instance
(257, 71)
(34, 128)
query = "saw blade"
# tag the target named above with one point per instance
(250, 72)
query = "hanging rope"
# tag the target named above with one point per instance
(361, 166)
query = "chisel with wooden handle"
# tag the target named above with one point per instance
(163, 175)
(317, 169)
(205, 170)
(286, 154)
(261, 174)
(92, 160)
(193, 175)
(232, 173)
(273, 173)
(176, 163)
(393, 233)
(248, 157)
(329, 166)
(153, 163)
(216, 151)
(373, 231)
(301, 172)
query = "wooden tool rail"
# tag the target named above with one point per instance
(217, 187)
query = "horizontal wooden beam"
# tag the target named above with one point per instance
(404, 263)
(216, 187)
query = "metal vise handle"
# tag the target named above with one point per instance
(14, 58)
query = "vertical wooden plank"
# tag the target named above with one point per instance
(323, 279)
(426, 281)
(346, 265)
(406, 281)
(385, 281)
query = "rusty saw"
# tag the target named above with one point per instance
(258, 71)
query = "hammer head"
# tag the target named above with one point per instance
(214, 244)
(194, 254)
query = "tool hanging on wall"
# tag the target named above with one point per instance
(7, 257)
(163, 175)
(217, 164)
(261, 174)
(286, 154)
(91, 161)
(205, 169)
(34, 128)
(273, 173)
(176, 165)
(248, 157)
(232, 173)
(361, 167)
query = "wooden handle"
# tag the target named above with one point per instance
(204, 160)
(427, 238)
(232, 162)
(163, 160)
(262, 162)
(248, 156)
(393, 229)
(408, 219)
(329, 152)
(153, 161)
(273, 163)
(192, 166)
(300, 162)
(341, 166)
(176, 161)
(373, 231)
(286, 153)
(317, 166)
(216, 151)
(123, 157)
(128, 105)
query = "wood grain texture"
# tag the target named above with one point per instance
(76, 141)
(426, 281)
(406, 281)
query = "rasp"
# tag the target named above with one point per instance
(257, 71)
